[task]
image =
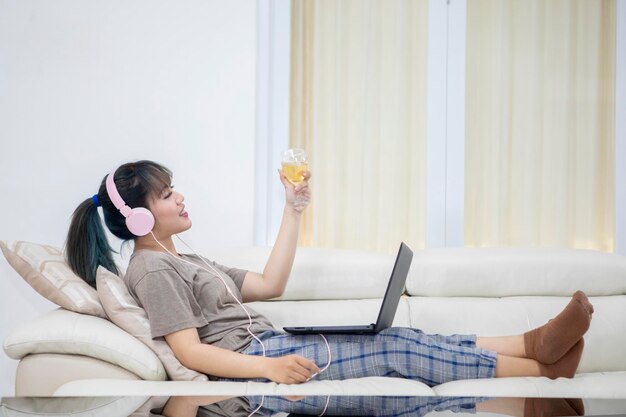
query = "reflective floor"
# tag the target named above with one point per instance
(309, 406)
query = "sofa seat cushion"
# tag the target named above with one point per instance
(361, 386)
(503, 272)
(63, 331)
(604, 341)
(595, 385)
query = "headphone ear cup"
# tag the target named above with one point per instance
(140, 221)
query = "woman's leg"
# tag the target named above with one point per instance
(509, 366)
(504, 345)
(548, 343)
(393, 352)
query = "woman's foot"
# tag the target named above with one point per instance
(567, 365)
(548, 343)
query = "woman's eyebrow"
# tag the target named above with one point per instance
(164, 189)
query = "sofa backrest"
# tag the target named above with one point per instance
(330, 274)
(319, 274)
(505, 272)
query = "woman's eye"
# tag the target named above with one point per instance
(170, 193)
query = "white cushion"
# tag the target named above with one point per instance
(62, 331)
(74, 407)
(319, 274)
(502, 272)
(44, 268)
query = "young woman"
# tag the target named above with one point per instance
(196, 304)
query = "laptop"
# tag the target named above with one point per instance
(387, 309)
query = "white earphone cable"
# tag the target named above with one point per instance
(325, 407)
(214, 270)
(329, 356)
(249, 318)
(227, 289)
(221, 279)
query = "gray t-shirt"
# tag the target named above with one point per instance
(178, 296)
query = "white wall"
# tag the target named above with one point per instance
(86, 85)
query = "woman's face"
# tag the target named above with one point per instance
(169, 213)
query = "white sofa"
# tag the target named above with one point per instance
(483, 291)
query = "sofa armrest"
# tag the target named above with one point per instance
(63, 331)
(76, 407)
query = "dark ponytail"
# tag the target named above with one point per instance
(87, 246)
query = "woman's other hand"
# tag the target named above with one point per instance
(290, 369)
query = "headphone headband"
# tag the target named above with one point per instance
(115, 196)
(139, 220)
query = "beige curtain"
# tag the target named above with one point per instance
(540, 123)
(358, 107)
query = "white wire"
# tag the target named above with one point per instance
(325, 407)
(221, 279)
(249, 318)
(329, 358)
(244, 309)
(227, 289)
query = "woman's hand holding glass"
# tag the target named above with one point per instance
(297, 196)
(295, 177)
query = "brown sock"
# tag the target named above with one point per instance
(553, 407)
(567, 365)
(548, 343)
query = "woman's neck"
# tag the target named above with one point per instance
(148, 242)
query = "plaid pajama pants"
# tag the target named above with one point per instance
(394, 352)
(366, 405)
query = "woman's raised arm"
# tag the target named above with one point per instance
(273, 281)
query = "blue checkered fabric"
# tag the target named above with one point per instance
(394, 352)
(365, 405)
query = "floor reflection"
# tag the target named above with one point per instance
(306, 406)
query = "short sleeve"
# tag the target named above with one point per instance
(169, 302)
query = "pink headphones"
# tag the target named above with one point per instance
(139, 220)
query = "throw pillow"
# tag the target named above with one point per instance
(124, 311)
(44, 268)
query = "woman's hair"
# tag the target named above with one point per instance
(87, 246)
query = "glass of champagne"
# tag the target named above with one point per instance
(294, 163)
